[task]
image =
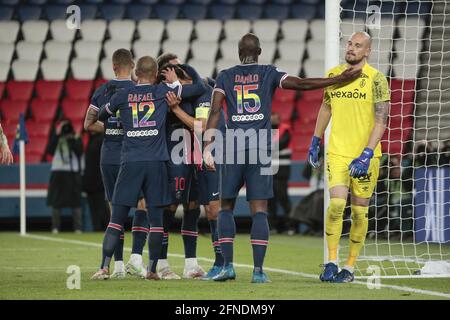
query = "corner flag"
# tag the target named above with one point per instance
(21, 134)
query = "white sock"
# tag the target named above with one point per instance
(190, 263)
(136, 259)
(162, 264)
(119, 266)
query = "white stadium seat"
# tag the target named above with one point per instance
(204, 68)
(181, 48)
(25, 70)
(383, 67)
(56, 50)
(348, 26)
(4, 70)
(291, 50)
(411, 27)
(122, 30)
(6, 52)
(408, 50)
(314, 69)
(268, 52)
(317, 28)
(229, 49)
(381, 50)
(179, 30)
(93, 30)
(84, 69)
(294, 30)
(226, 63)
(146, 48)
(9, 31)
(403, 70)
(266, 30)
(316, 50)
(204, 50)
(88, 49)
(386, 30)
(54, 69)
(29, 51)
(35, 30)
(235, 29)
(106, 68)
(150, 30)
(111, 45)
(208, 30)
(60, 32)
(291, 67)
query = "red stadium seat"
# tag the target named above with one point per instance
(301, 143)
(313, 95)
(49, 90)
(79, 89)
(43, 110)
(99, 82)
(19, 90)
(307, 110)
(2, 88)
(402, 90)
(77, 126)
(283, 108)
(299, 155)
(31, 157)
(36, 145)
(284, 95)
(11, 110)
(304, 129)
(38, 129)
(10, 129)
(74, 110)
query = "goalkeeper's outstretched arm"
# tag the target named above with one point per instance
(381, 117)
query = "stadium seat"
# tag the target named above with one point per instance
(405, 69)
(204, 68)
(121, 1)
(157, 27)
(291, 50)
(384, 33)
(60, 32)
(235, 29)
(284, 109)
(111, 45)
(179, 30)
(228, 49)
(204, 50)
(381, 51)
(303, 11)
(312, 1)
(24, 70)
(89, 50)
(143, 47)
(49, 90)
(221, 12)
(35, 31)
(122, 30)
(11, 110)
(19, 90)
(38, 128)
(414, 8)
(307, 110)
(405, 87)
(8, 31)
(75, 110)
(277, 12)
(55, 12)
(84, 69)
(54, 69)
(348, 26)
(291, 67)
(78, 89)
(408, 50)
(312, 95)
(294, 30)
(6, 13)
(226, 63)
(411, 28)
(95, 1)
(138, 12)
(99, 82)
(203, 2)
(166, 12)
(112, 11)
(249, 12)
(314, 69)
(56, 50)
(282, 1)
(9, 129)
(268, 52)
(180, 47)
(26, 12)
(37, 2)
(106, 68)
(284, 95)
(317, 29)
(148, 1)
(2, 89)
(29, 51)
(228, 1)
(316, 50)
(175, 2)
(89, 11)
(93, 30)
(4, 71)
(36, 145)
(208, 30)
(6, 52)
(194, 12)
(32, 158)
(266, 30)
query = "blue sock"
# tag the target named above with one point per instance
(189, 232)
(139, 231)
(118, 252)
(167, 222)
(226, 230)
(155, 217)
(112, 234)
(259, 236)
(215, 242)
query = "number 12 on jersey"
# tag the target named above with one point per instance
(243, 93)
(144, 122)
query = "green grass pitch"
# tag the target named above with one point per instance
(35, 268)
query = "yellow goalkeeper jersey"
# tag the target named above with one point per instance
(353, 110)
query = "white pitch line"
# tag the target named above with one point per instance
(294, 273)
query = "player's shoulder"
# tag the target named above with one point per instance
(374, 73)
(336, 70)
(100, 90)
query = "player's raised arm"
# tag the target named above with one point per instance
(197, 87)
(297, 83)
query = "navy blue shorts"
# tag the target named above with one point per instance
(149, 177)
(209, 185)
(182, 184)
(257, 177)
(109, 176)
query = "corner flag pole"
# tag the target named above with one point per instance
(332, 16)
(22, 189)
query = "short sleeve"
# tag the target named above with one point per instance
(220, 83)
(94, 104)
(326, 96)
(380, 88)
(113, 106)
(278, 76)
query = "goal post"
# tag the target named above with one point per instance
(409, 213)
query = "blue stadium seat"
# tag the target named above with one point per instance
(221, 12)
(321, 11)
(417, 7)
(194, 11)
(55, 12)
(166, 12)
(88, 11)
(148, 1)
(175, 2)
(311, 1)
(282, 1)
(94, 1)
(138, 12)
(259, 2)
(37, 2)
(274, 11)
(357, 10)
(204, 2)
(249, 12)
(112, 11)
(121, 1)
(29, 13)
(228, 1)
(9, 2)
(303, 11)
(389, 8)
(64, 1)
(6, 13)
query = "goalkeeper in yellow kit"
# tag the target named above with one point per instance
(359, 112)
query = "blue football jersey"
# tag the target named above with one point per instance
(204, 101)
(248, 89)
(112, 143)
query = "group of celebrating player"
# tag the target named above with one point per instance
(141, 118)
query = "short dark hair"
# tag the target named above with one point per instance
(122, 58)
(165, 58)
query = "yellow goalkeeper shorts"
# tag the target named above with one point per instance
(338, 174)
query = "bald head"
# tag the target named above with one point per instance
(249, 47)
(358, 48)
(146, 68)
